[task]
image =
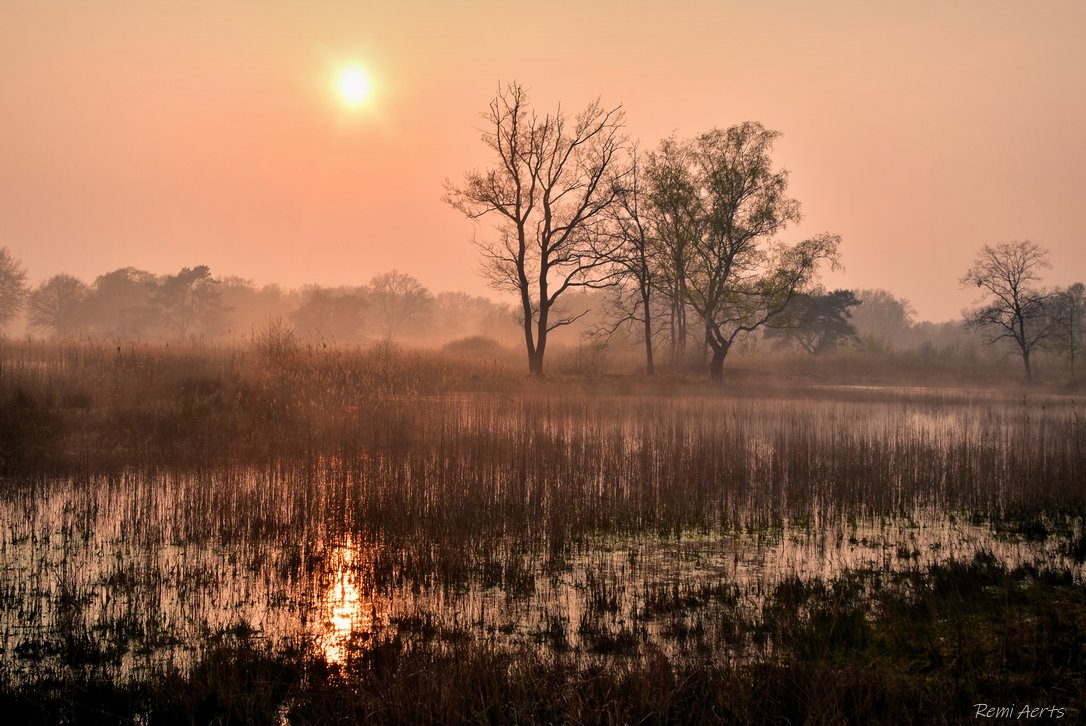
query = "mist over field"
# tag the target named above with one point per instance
(488, 364)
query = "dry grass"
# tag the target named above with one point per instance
(362, 530)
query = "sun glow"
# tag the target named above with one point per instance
(347, 612)
(354, 86)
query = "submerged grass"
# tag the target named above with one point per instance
(922, 648)
(201, 533)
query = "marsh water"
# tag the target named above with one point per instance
(602, 524)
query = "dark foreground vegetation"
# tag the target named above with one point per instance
(277, 532)
(918, 647)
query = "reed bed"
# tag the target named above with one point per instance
(203, 533)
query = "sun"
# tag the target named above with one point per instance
(353, 86)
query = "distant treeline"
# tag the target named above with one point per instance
(134, 304)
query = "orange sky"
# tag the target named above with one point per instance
(164, 134)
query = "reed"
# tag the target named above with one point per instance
(266, 532)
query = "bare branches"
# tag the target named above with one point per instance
(395, 299)
(1010, 306)
(550, 189)
(692, 224)
(57, 305)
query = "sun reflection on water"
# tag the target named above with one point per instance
(345, 609)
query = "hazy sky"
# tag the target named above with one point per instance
(166, 134)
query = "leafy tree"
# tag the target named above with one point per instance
(735, 204)
(815, 322)
(58, 305)
(190, 302)
(13, 288)
(1011, 306)
(121, 303)
(674, 208)
(553, 181)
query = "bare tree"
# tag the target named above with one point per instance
(734, 203)
(1069, 311)
(396, 299)
(553, 182)
(13, 289)
(1011, 307)
(59, 305)
(882, 320)
(675, 210)
(628, 249)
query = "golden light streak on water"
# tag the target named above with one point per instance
(346, 611)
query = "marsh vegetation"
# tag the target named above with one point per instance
(260, 533)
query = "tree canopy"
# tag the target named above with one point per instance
(721, 204)
(816, 322)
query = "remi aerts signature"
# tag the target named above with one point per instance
(984, 710)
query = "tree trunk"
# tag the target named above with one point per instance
(678, 333)
(706, 342)
(529, 337)
(650, 369)
(1071, 348)
(716, 364)
(535, 358)
(1025, 362)
(535, 364)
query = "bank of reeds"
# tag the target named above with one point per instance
(396, 535)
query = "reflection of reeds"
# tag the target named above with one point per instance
(169, 514)
(859, 647)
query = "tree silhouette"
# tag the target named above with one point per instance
(336, 313)
(553, 181)
(1068, 315)
(815, 322)
(1011, 307)
(629, 251)
(121, 303)
(883, 320)
(395, 300)
(674, 207)
(190, 302)
(58, 305)
(730, 204)
(13, 289)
